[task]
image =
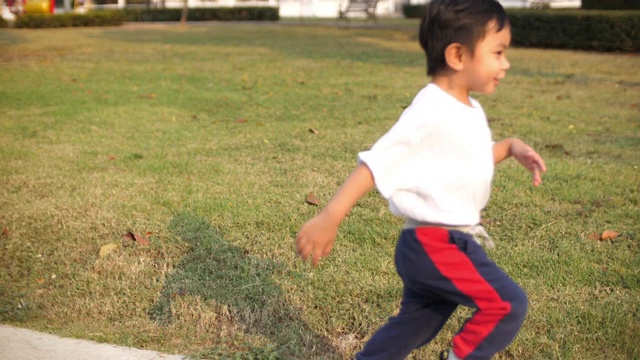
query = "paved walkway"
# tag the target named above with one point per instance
(22, 344)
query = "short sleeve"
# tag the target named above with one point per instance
(389, 151)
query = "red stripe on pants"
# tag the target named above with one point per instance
(458, 268)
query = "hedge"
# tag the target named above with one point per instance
(611, 4)
(577, 29)
(204, 14)
(569, 29)
(93, 18)
(413, 11)
(117, 17)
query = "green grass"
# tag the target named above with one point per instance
(109, 130)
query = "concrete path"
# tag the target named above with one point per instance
(22, 344)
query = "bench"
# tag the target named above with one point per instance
(368, 7)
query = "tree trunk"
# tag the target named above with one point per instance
(185, 12)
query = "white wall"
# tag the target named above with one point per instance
(527, 3)
(552, 3)
(329, 8)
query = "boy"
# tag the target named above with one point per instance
(435, 166)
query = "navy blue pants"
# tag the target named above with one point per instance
(441, 269)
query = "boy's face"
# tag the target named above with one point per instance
(488, 64)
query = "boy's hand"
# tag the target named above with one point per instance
(317, 237)
(318, 234)
(529, 159)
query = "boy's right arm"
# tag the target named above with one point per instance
(317, 236)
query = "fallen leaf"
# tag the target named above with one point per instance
(312, 199)
(609, 235)
(141, 240)
(593, 236)
(241, 121)
(5, 231)
(558, 147)
(634, 106)
(554, 146)
(107, 249)
(40, 280)
(149, 96)
(112, 157)
(313, 131)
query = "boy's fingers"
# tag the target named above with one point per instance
(537, 180)
(538, 162)
(312, 248)
(326, 251)
(316, 259)
(304, 249)
(307, 250)
(299, 242)
(537, 170)
(543, 166)
(302, 255)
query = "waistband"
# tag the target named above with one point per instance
(477, 232)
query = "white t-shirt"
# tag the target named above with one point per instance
(435, 164)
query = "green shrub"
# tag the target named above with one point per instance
(152, 14)
(569, 29)
(577, 29)
(611, 4)
(94, 18)
(204, 14)
(413, 11)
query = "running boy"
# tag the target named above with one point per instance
(435, 166)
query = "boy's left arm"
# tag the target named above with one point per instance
(522, 152)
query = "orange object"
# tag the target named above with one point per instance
(38, 7)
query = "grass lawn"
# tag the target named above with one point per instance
(199, 139)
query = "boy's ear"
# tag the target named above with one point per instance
(454, 54)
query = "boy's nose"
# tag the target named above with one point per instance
(506, 65)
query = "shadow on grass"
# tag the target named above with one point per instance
(226, 274)
(291, 42)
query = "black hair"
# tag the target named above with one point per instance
(456, 21)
